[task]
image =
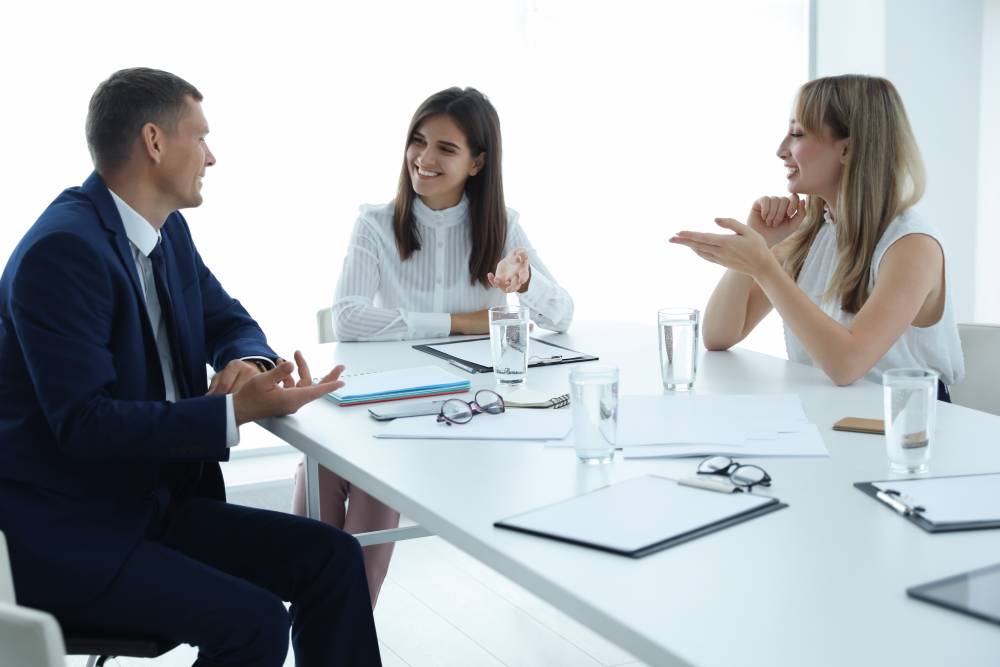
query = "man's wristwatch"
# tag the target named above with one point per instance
(261, 366)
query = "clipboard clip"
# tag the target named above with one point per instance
(896, 501)
(542, 361)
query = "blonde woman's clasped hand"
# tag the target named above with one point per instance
(776, 218)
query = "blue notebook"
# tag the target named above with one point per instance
(397, 384)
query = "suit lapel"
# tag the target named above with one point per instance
(97, 191)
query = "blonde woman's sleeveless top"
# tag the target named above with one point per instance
(936, 347)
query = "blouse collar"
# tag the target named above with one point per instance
(827, 215)
(446, 217)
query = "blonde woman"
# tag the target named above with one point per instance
(858, 277)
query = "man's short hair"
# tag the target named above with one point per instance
(129, 99)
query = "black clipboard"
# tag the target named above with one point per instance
(432, 349)
(770, 505)
(913, 513)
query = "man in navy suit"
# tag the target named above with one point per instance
(111, 494)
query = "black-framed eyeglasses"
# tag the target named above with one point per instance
(457, 411)
(744, 476)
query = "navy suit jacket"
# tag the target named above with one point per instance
(86, 437)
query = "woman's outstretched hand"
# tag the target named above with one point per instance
(745, 250)
(513, 272)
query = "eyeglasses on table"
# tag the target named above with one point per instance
(457, 411)
(743, 476)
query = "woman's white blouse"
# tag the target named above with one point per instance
(936, 347)
(380, 297)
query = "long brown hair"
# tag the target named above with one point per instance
(478, 120)
(883, 176)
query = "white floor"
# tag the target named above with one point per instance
(438, 607)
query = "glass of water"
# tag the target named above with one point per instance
(509, 343)
(593, 400)
(678, 333)
(910, 404)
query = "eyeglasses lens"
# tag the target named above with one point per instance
(715, 464)
(456, 411)
(748, 476)
(490, 401)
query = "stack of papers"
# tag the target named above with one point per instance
(397, 384)
(703, 425)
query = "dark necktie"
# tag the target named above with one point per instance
(167, 313)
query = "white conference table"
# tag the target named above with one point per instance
(821, 582)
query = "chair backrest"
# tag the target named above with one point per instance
(30, 637)
(324, 323)
(6, 578)
(981, 387)
(27, 636)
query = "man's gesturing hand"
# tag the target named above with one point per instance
(232, 378)
(264, 396)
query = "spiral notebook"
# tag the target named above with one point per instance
(397, 384)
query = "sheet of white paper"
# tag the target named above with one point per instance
(951, 499)
(806, 442)
(702, 425)
(478, 351)
(755, 425)
(693, 418)
(511, 425)
(658, 509)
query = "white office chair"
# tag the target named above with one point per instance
(981, 387)
(324, 324)
(32, 637)
(27, 636)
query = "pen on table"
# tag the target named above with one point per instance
(464, 367)
(891, 498)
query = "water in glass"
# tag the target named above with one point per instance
(509, 343)
(594, 402)
(678, 335)
(910, 401)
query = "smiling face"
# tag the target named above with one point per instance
(814, 161)
(439, 162)
(185, 156)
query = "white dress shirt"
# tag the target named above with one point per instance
(143, 237)
(380, 297)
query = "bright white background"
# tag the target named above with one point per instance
(623, 122)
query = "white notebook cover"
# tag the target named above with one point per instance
(401, 379)
(635, 514)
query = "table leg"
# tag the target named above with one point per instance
(312, 488)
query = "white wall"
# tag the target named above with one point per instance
(849, 37)
(623, 122)
(988, 230)
(931, 50)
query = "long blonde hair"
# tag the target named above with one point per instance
(882, 177)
